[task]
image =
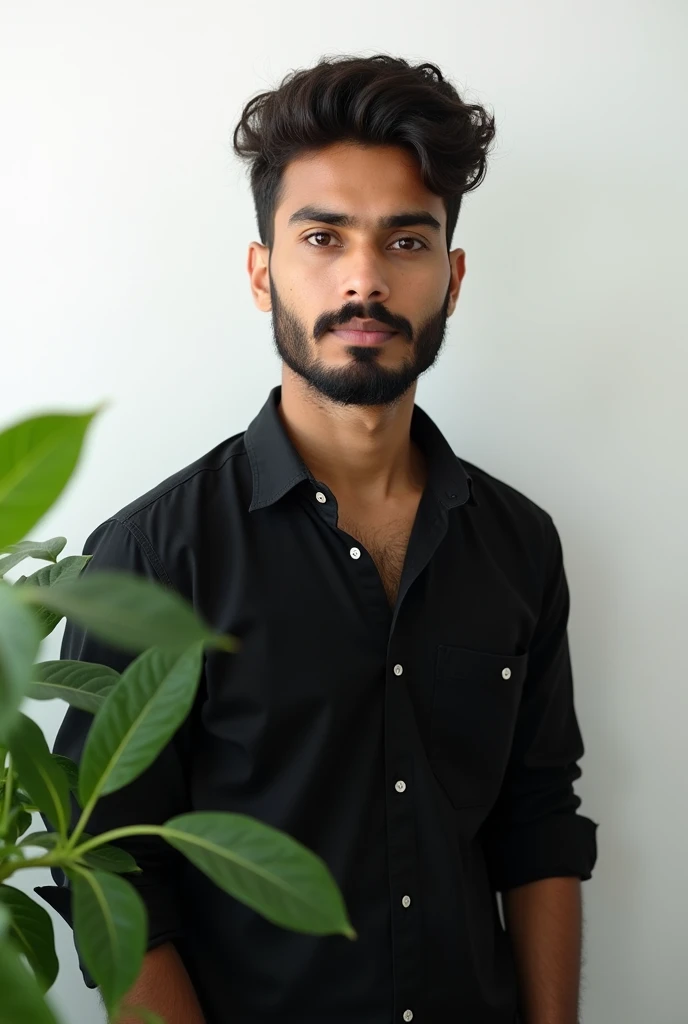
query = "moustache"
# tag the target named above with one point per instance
(376, 310)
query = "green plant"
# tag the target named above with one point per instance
(135, 714)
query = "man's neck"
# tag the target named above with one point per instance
(363, 453)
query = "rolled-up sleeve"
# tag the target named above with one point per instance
(534, 830)
(160, 791)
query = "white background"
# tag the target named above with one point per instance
(124, 224)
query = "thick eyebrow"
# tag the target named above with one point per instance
(409, 218)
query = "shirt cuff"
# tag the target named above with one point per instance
(555, 847)
(164, 924)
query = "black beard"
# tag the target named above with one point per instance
(363, 381)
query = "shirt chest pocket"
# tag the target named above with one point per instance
(474, 711)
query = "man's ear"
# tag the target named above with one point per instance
(457, 263)
(259, 275)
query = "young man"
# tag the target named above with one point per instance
(402, 702)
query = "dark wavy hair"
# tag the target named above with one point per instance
(379, 100)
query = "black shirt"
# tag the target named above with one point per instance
(427, 752)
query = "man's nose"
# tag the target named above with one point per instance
(363, 278)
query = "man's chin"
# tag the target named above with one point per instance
(353, 387)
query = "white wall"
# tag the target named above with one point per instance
(124, 222)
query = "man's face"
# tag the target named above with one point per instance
(339, 258)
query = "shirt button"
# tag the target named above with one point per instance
(408, 1014)
(320, 497)
(400, 786)
(406, 901)
(355, 553)
(506, 673)
(398, 669)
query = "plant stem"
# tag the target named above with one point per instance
(117, 833)
(8, 870)
(86, 814)
(11, 848)
(66, 855)
(83, 820)
(8, 797)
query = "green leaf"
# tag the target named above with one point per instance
(111, 929)
(19, 642)
(45, 620)
(22, 1000)
(24, 798)
(24, 820)
(66, 569)
(19, 821)
(71, 770)
(108, 857)
(264, 868)
(82, 684)
(31, 929)
(37, 459)
(48, 550)
(128, 611)
(4, 922)
(44, 840)
(69, 568)
(43, 779)
(140, 715)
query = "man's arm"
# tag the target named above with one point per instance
(159, 793)
(164, 987)
(537, 847)
(544, 920)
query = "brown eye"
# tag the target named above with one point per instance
(407, 248)
(319, 234)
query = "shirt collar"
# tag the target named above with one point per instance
(277, 467)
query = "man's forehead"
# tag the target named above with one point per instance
(365, 182)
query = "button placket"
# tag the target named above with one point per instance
(402, 829)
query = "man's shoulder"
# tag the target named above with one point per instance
(497, 497)
(187, 491)
(168, 524)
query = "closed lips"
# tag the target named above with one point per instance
(364, 332)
